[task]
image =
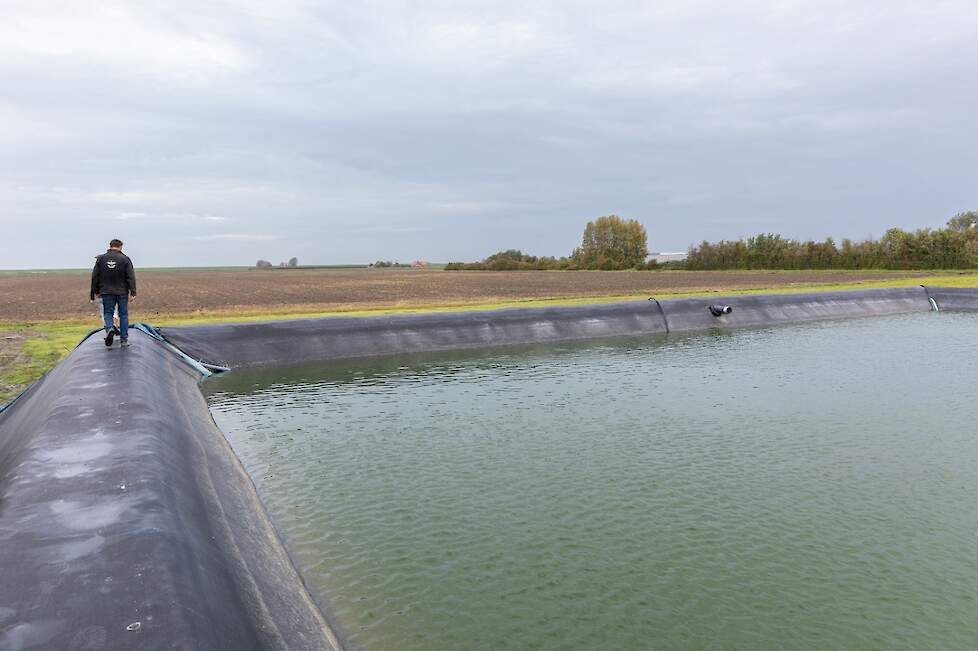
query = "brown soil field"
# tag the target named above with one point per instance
(31, 297)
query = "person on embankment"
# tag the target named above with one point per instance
(114, 281)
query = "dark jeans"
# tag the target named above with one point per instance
(109, 303)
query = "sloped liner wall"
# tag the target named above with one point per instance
(309, 340)
(126, 521)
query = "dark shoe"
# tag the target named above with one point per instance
(125, 343)
(109, 336)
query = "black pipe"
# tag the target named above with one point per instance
(665, 320)
(720, 310)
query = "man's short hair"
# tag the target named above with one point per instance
(115, 244)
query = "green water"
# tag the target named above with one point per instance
(813, 486)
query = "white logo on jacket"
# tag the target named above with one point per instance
(110, 264)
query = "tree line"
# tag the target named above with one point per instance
(609, 243)
(265, 264)
(952, 247)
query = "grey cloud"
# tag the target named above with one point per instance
(352, 132)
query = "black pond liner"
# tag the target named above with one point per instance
(127, 522)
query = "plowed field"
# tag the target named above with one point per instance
(42, 296)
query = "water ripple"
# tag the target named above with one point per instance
(800, 487)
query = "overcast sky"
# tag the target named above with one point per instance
(219, 133)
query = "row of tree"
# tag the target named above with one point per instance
(608, 243)
(512, 260)
(953, 247)
(265, 264)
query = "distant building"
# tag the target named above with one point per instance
(668, 257)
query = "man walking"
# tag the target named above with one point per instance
(114, 280)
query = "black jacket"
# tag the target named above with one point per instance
(113, 274)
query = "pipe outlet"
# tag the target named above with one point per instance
(720, 310)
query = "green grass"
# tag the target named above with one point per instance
(43, 346)
(48, 342)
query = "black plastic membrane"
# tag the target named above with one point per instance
(127, 522)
